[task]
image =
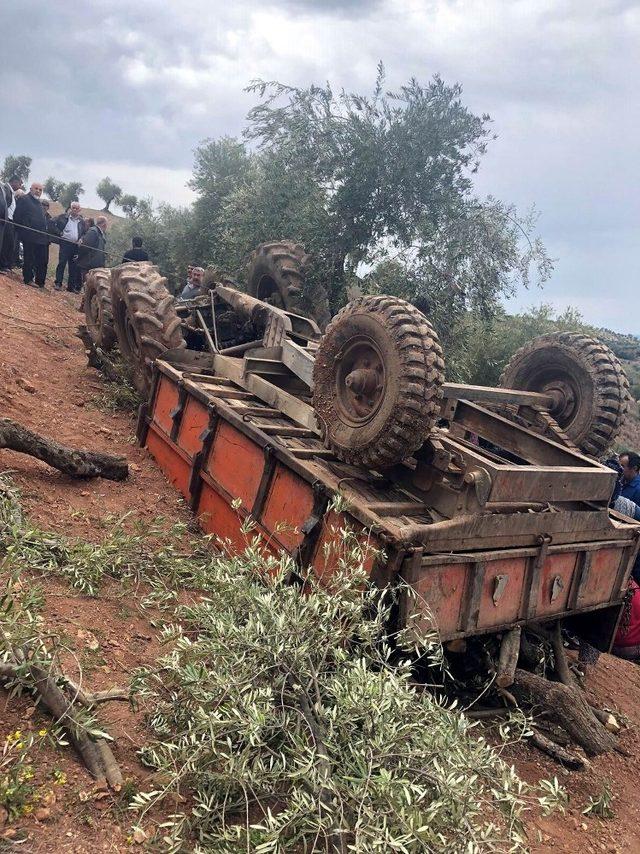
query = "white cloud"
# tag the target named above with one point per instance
(129, 87)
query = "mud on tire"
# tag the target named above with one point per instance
(277, 274)
(378, 378)
(587, 379)
(97, 308)
(145, 319)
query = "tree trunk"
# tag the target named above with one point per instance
(67, 460)
(568, 707)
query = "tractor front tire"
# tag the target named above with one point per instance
(378, 376)
(145, 319)
(97, 308)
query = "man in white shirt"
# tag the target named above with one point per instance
(8, 254)
(70, 227)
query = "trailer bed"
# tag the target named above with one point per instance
(233, 456)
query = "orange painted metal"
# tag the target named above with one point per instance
(555, 586)
(598, 585)
(288, 506)
(194, 420)
(440, 592)
(500, 601)
(176, 467)
(460, 595)
(331, 545)
(166, 401)
(236, 463)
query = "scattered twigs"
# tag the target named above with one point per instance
(67, 460)
(509, 651)
(91, 699)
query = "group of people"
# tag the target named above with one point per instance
(25, 222)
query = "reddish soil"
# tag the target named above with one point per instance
(45, 383)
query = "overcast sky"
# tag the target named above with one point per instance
(129, 87)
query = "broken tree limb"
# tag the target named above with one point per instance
(96, 754)
(555, 751)
(96, 356)
(560, 657)
(566, 706)
(88, 699)
(75, 463)
(508, 661)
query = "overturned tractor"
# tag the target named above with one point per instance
(486, 501)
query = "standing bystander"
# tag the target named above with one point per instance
(70, 227)
(136, 253)
(91, 251)
(8, 248)
(630, 463)
(30, 219)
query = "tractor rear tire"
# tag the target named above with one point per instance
(277, 274)
(588, 381)
(378, 376)
(145, 319)
(97, 308)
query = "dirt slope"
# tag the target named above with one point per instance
(46, 384)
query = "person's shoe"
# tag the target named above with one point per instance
(57, 287)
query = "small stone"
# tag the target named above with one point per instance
(42, 814)
(584, 826)
(139, 836)
(26, 385)
(134, 467)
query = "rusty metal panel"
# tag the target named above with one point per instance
(288, 505)
(555, 583)
(165, 402)
(440, 593)
(194, 420)
(176, 469)
(331, 547)
(236, 463)
(599, 578)
(501, 597)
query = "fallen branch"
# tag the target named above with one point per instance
(91, 699)
(560, 657)
(67, 460)
(555, 751)
(95, 753)
(96, 356)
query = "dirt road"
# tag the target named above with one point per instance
(46, 384)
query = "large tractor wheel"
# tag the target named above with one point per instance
(378, 377)
(277, 276)
(589, 386)
(145, 319)
(97, 308)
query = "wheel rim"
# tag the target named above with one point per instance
(360, 380)
(565, 389)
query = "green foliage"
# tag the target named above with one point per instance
(602, 805)
(53, 188)
(17, 165)
(128, 203)
(308, 731)
(71, 193)
(118, 394)
(108, 191)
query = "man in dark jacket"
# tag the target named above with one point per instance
(30, 219)
(8, 253)
(91, 251)
(136, 253)
(4, 210)
(70, 229)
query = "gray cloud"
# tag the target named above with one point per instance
(135, 84)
